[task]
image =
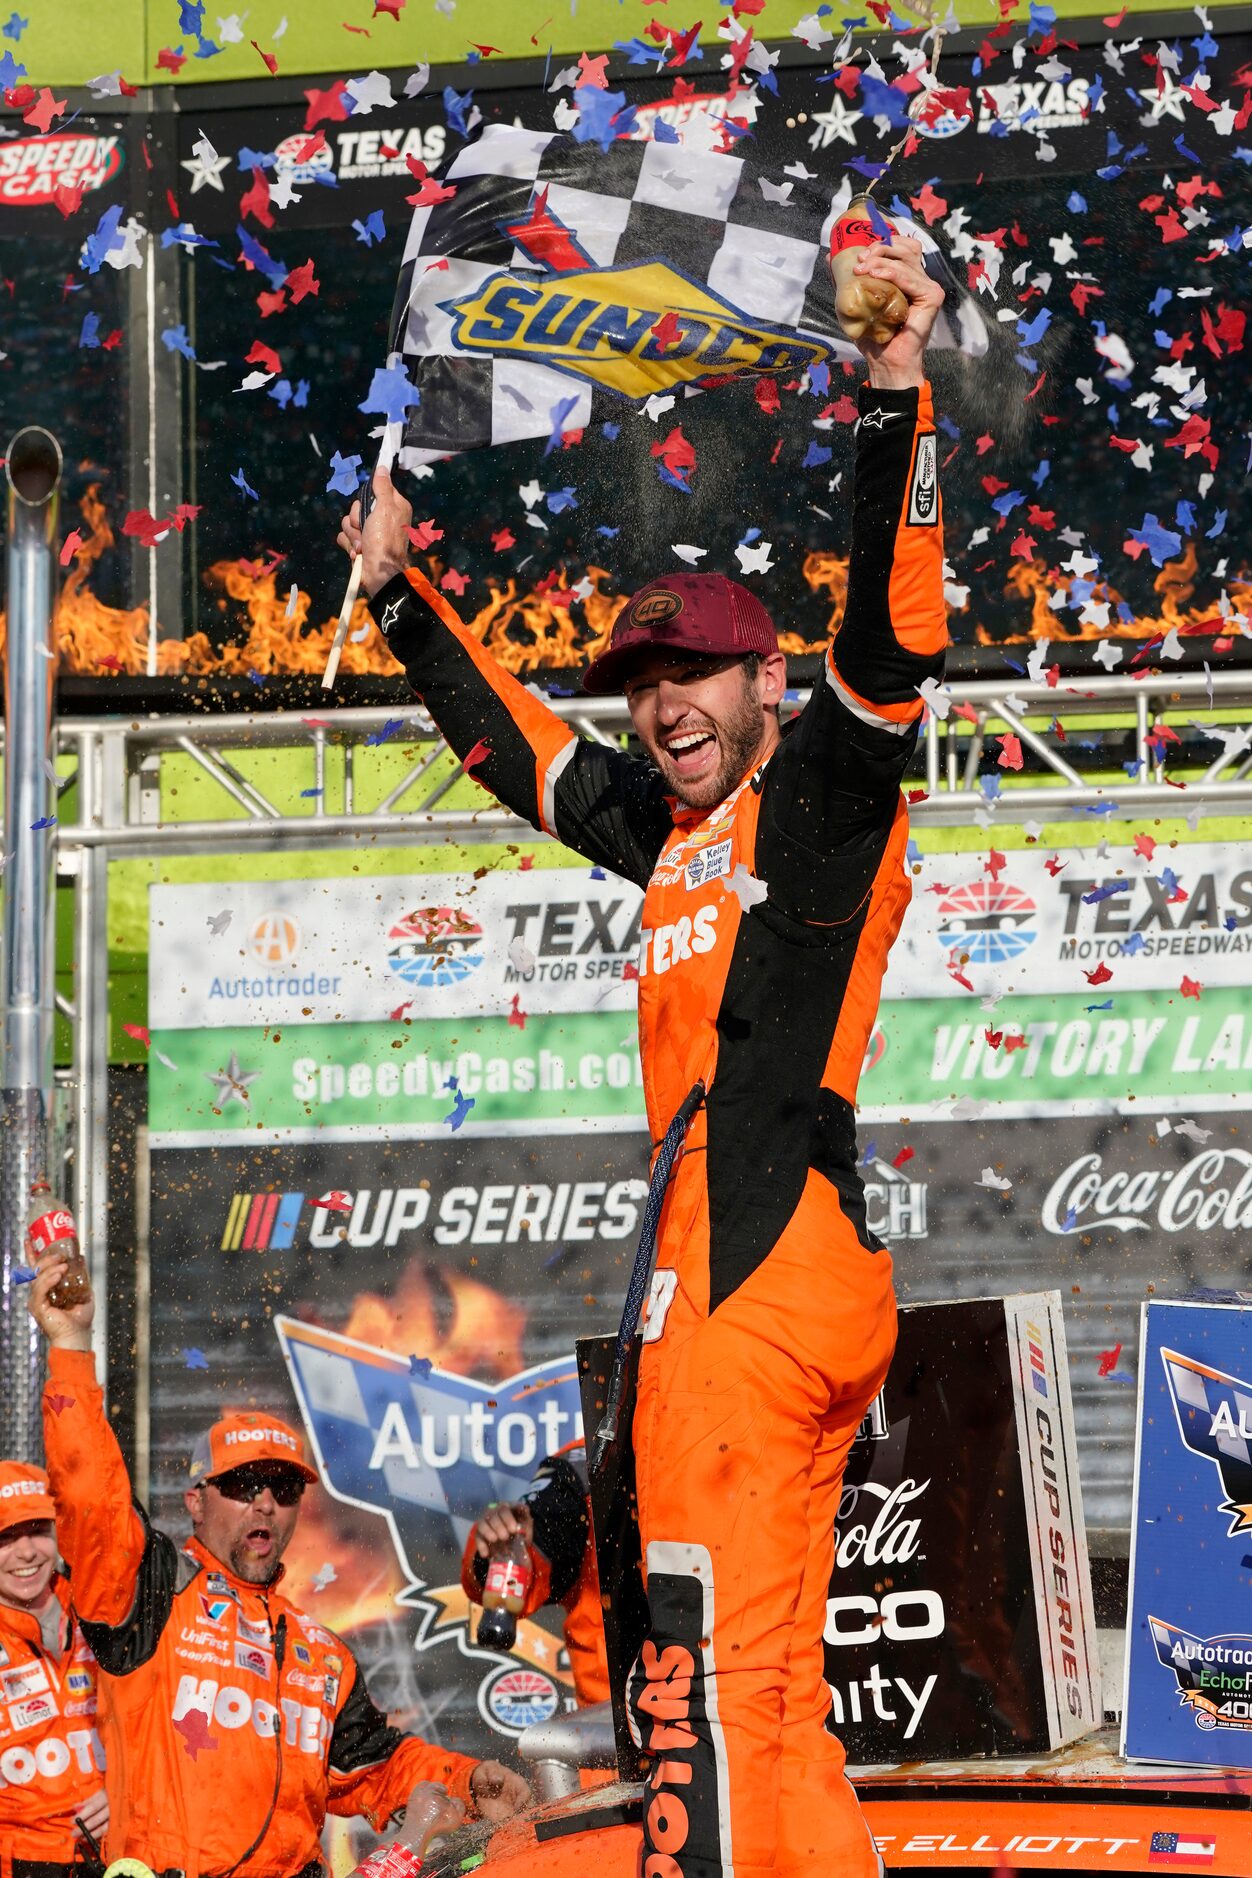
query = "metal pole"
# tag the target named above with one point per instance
(33, 470)
(91, 1046)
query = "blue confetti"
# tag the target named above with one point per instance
(345, 473)
(390, 395)
(815, 456)
(391, 728)
(175, 339)
(103, 239)
(1161, 543)
(23, 1274)
(45, 821)
(195, 1359)
(602, 115)
(461, 1104)
(244, 486)
(420, 1366)
(89, 332)
(372, 229)
(1106, 892)
(457, 106)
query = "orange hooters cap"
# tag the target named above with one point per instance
(242, 1437)
(685, 613)
(24, 1494)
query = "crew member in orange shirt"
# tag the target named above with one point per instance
(233, 1722)
(51, 1760)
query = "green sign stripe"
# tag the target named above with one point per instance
(556, 1068)
(1151, 1045)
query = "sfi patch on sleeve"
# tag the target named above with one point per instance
(923, 509)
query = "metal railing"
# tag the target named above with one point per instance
(113, 789)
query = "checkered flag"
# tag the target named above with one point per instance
(555, 279)
(423, 1448)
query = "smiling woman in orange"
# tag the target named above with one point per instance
(774, 868)
(51, 1760)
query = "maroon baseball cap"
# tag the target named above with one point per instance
(684, 613)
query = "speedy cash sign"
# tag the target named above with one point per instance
(32, 169)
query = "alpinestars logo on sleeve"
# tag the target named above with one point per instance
(391, 613)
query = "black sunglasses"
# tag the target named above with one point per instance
(248, 1483)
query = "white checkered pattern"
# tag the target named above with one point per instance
(703, 214)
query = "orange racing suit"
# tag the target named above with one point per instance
(771, 1320)
(224, 1709)
(51, 1759)
(563, 1567)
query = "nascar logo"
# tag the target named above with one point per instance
(262, 1222)
(601, 326)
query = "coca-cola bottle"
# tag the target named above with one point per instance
(862, 302)
(509, 1573)
(50, 1227)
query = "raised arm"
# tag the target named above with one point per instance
(107, 1545)
(833, 788)
(596, 799)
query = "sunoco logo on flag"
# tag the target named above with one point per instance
(420, 1447)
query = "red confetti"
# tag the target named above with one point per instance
(271, 63)
(995, 864)
(195, 1732)
(1108, 1360)
(905, 1154)
(302, 281)
(502, 539)
(453, 582)
(44, 111)
(58, 1402)
(1100, 976)
(397, 1015)
(71, 546)
(1010, 756)
(424, 534)
(327, 105)
(1191, 987)
(629, 970)
(517, 1017)
(480, 751)
(256, 201)
(140, 1034)
(260, 354)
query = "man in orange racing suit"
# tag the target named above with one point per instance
(774, 868)
(232, 1722)
(554, 1521)
(51, 1760)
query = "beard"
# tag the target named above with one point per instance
(739, 737)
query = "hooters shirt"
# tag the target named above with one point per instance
(51, 1760)
(767, 919)
(217, 1696)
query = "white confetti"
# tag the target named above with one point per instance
(996, 1182)
(747, 889)
(521, 958)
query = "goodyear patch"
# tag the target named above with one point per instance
(599, 326)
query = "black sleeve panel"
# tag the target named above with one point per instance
(122, 1648)
(830, 792)
(558, 1506)
(362, 1735)
(593, 797)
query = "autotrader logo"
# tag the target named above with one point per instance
(274, 938)
(988, 920)
(436, 945)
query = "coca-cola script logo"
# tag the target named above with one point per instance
(885, 1534)
(1211, 1193)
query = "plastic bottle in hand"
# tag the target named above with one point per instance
(862, 303)
(504, 1593)
(50, 1227)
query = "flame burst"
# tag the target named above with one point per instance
(1175, 582)
(526, 628)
